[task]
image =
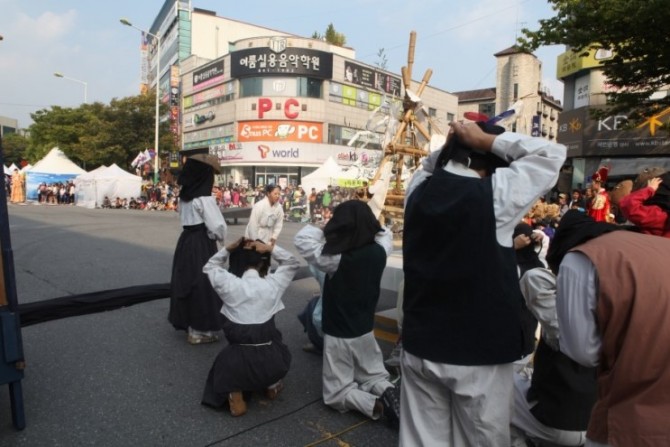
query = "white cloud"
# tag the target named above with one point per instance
(47, 26)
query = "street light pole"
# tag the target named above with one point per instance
(158, 75)
(61, 75)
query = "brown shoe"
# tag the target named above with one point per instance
(273, 391)
(237, 404)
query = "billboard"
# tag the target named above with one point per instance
(371, 78)
(291, 60)
(280, 131)
(611, 135)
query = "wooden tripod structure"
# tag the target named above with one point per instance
(406, 142)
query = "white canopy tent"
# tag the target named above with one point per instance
(324, 175)
(112, 181)
(55, 167)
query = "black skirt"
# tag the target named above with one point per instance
(193, 301)
(254, 359)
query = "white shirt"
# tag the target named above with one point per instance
(533, 170)
(251, 299)
(310, 241)
(576, 309)
(204, 210)
(538, 287)
(265, 221)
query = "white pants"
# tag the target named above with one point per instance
(526, 422)
(353, 373)
(454, 405)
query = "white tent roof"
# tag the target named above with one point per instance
(27, 167)
(92, 174)
(7, 171)
(322, 176)
(56, 162)
(329, 169)
(112, 181)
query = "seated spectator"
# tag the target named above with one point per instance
(118, 204)
(106, 203)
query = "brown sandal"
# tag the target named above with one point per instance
(238, 406)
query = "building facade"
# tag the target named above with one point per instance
(276, 108)
(271, 105)
(518, 79)
(609, 140)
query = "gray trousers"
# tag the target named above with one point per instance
(454, 405)
(353, 373)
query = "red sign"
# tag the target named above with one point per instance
(291, 107)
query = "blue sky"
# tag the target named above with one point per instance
(84, 40)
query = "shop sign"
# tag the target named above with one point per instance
(280, 131)
(289, 60)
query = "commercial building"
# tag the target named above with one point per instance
(271, 105)
(518, 78)
(608, 140)
(8, 125)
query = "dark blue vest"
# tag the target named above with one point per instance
(462, 300)
(350, 296)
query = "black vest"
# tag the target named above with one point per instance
(350, 296)
(462, 299)
(565, 391)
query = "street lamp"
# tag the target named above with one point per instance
(61, 75)
(158, 75)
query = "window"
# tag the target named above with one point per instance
(432, 112)
(450, 117)
(488, 108)
(309, 87)
(516, 92)
(251, 87)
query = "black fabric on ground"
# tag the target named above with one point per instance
(88, 303)
(101, 301)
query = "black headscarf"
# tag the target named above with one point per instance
(526, 257)
(455, 150)
(196, 180)
(574, 229)
(661, 197)
(352, 226)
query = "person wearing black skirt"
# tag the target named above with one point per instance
(255, 359)
(194, 305)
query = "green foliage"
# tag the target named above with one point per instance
(14, 148)
(331, 36)
(635, 30)
(96, 134)
(382, 60)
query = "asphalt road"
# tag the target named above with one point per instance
(126, 377)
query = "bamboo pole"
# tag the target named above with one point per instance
(410, 55)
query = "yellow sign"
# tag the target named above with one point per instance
(654, 122)
(570, 62)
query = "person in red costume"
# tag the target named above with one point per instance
(648, 207)
(600, 204)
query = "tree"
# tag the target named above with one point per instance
(632, 29)
(382, 60)
(96, 134)
(14, 148)
(331, 36)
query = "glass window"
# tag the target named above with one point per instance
(251, 87)
(488, 108)
(309, 87)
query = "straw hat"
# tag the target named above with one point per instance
(209, 159)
